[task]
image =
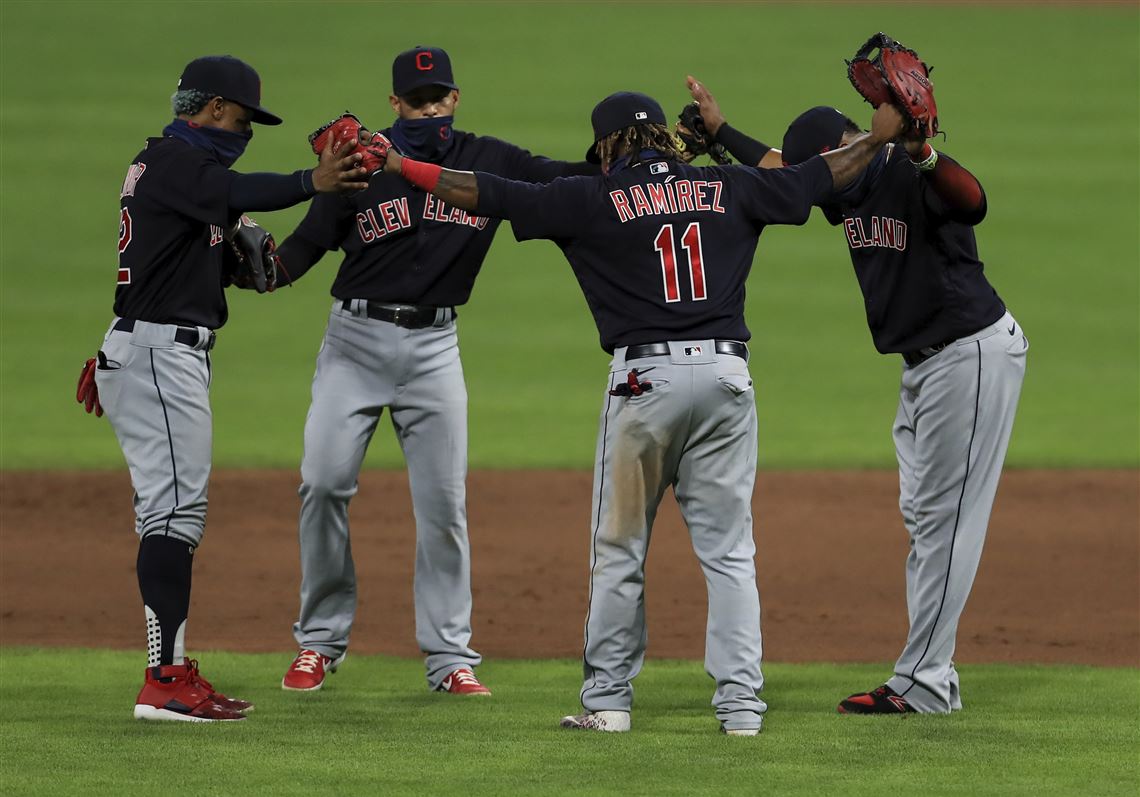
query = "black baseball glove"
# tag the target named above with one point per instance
(250, 261)
(695, 136)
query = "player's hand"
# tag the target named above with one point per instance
(392, 162)
(710, 110)
(339, 170)
(914, 141)
(887, 124)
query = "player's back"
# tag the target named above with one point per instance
(662, 250)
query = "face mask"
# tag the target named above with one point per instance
(427, 139)
(226, 145)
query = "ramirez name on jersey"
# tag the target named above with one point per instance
(654, 199)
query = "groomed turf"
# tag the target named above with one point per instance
(376, 730)
(83, 83)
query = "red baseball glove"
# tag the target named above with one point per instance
(346, 128)
(896, 75)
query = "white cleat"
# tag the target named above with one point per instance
(608, 721)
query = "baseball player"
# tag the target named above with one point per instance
(908, 221)
(152, 374)
(391, 342)
(662, 250)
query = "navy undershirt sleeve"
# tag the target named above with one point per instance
(556, 210)
(298, 254)
(745, 149)
(262, 191)
(492, 199)
(543, 170)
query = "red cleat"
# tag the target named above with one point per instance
(175, 692)
(462, 682)
(232, 703)
(308, 670)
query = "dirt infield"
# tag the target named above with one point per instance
(1059, 582)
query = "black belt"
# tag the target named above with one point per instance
(913, 358)
(733, 347)
(408, 316)
(187, 336)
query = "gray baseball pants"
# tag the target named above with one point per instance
(695, 431)
(365, 365)
(951, 433)
(156, 394)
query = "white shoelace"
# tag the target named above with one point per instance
(465, 677)
(307, 661)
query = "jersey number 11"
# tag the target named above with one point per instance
(691, 243)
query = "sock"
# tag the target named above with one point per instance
(164, 567)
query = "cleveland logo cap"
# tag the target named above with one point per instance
(421, 66)
(229, 78)
(619, 111)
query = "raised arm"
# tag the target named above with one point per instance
(744, 148)
(960, 192)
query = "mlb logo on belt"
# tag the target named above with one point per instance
(693, 351)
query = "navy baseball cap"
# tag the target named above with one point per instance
(421, 66)
(230, 78)
(619, 111)
(813, 132)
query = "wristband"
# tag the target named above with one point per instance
(745, 149)
(929, 159)
(307, 182)
(422, 175)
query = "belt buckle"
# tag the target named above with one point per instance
(397, 316)
(211, 339)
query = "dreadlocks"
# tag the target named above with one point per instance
(636, 138)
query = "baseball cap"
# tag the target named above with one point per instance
(817, 130)
(421, 66)
(230, 78)
(619, 111)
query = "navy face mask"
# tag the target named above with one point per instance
(426, 139)
(226, 145)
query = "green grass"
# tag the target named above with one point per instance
(82, 84)
(375, 729)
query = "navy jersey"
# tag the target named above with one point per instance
(173, 212)
(401, 244)
(661, 250)
(917, 266)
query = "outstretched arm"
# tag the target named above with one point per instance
(337, 171)
(458, 189)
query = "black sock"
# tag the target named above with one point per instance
(164, 567)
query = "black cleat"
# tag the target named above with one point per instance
(883, 700)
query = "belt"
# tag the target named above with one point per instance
(913, 358)
(187, 336)
(733, 347)
(408, 316)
